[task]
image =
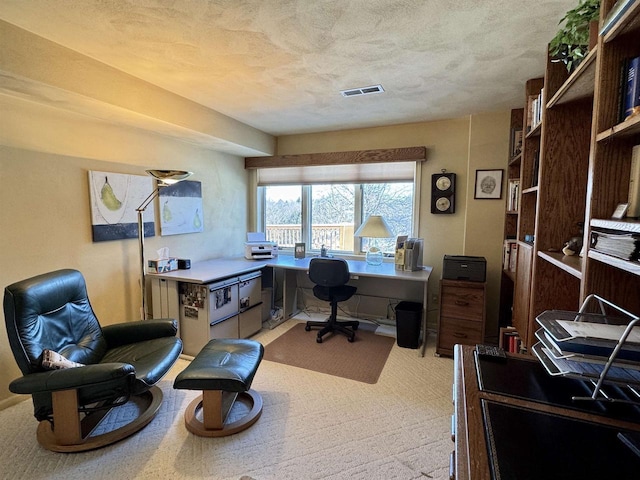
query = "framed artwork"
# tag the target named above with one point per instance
(488, 184)
(300, 250)
(181, 208)
(620, 211)
(114, 198)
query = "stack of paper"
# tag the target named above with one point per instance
(619, 244)
(573, 344)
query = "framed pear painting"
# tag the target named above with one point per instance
(114, 198)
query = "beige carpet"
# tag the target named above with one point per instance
(361, 360)
(314, 426)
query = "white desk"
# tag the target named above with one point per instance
(218, 269)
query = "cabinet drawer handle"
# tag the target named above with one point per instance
(459, 335)
(453, 428)
(462, 303)
(452, 466)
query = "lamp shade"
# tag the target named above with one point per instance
(375, 227)
(169, 176)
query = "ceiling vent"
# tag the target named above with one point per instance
(354, 92)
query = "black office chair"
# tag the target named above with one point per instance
(330, 276)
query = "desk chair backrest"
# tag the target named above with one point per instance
(329, 272)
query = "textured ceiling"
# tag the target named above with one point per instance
(279, 65)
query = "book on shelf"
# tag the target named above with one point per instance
(632, 89)
(505, 334)
(534, 111)
(513, 256)
(514, 195)
(585, 334)
(634, 184)
(616, 12)
(509, 254)
(514, 343)
(536, 168)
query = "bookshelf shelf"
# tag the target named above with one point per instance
(571, 264)
(580, 83)
(628, 128)
(626, 225)
(618, 263)
(516, 160)
(535, 131)
(628, 23)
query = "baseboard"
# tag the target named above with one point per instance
(13, 400)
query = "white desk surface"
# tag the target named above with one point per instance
(211, 270)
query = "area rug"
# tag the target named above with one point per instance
(362, 360)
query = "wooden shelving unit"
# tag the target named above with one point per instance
(510, 223)
(583, 174)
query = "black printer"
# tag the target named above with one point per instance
(460, 267)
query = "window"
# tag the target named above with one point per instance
(329, 214)
(283, 214)
(332, 217)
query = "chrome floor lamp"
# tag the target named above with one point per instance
(165, 178)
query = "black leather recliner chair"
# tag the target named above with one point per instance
(120, 362)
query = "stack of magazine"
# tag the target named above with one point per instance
(580, 345)
(623, 245)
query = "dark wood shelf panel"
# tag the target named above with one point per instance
(510, 274)
(624, 265)
(530, 190)
(629, 22)
(516, 160)
(580, 83)
(626, 225)
(535, 131)
(627, 128)
(572, 264)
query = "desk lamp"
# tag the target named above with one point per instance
(374, 227)
(165, 178)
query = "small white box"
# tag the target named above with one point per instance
(162, 265)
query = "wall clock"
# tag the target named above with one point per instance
(443, 192)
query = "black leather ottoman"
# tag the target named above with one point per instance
(223, 370)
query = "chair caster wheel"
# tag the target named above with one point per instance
(307, 328)
(319, 339)
(351, 339)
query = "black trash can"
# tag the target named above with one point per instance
(408, 319)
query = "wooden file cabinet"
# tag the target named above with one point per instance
(462, 314)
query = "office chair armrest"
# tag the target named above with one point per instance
(139, 331)
(72, 378)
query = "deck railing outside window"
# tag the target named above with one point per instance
(332, 236)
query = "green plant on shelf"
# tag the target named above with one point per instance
(571, 43)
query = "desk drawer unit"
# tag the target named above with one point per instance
(462, 314)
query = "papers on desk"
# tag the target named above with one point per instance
(598, 331)
(588, 337)
(596, 348)
(584, 368)
(582, 349)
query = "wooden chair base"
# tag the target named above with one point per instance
(71, 432)
(216, 405)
